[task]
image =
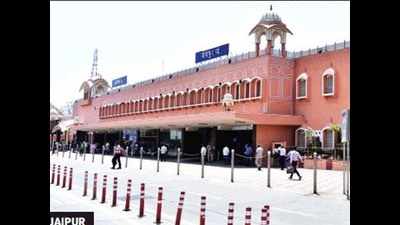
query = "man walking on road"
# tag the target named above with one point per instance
(294, 158)
(225, 153)
(282, 157)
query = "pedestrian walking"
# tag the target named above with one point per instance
(248, 152)
(294, 159)
(203, 151)
(163, 152)
(117, 157)
(282, 156)
(259, 156)
(225, 153)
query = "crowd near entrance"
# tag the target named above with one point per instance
(189, 140)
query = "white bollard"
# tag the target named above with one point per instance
(269, 168)
(202, 165)
(126, 157)
(232, 163)
(315, 173)
(158, 160)
(178, 160)
(344, 168)
(141, 157)
(102, 154)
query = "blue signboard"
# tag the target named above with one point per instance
(212, 53)
(120, 81)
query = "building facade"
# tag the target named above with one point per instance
(263, 97)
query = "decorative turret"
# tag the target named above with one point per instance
(271, 26)
(95, 85)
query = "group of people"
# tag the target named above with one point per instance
(289, 160)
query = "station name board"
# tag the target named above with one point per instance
(212, 53)
(120, 81)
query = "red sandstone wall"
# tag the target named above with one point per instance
(320, 111)
(279, 85)
(265, 135)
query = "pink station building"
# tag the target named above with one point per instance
(264, 97)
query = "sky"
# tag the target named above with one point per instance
(144, 40)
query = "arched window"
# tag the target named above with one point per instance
(199, 96)
(151, 104)
(328, 82)
(166, 101)
(207, 95)
(172, 101)
(122, 111)
(179, 99)
(160, 102)
(258, 88)
(185, 100)
(145, 105)
(301, 140)
(192, 97)
(328, 138)
(301, 86)
(247, 90)
(215, 94)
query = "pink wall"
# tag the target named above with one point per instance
(320, 111)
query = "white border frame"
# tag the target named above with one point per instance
(329, 71)
(302, 76)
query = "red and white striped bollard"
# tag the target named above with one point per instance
(64, 177)
(128, 196)
(267, 213)
(58, 175)
(159, 204)
(94, 187)
(53, 173)
(114, 197)
(230, 213)
(180, 206)
(203, 210)
(248, 216)
(103, 194)
(70, 179)
(141, 206)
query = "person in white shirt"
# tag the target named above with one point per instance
(282, 157)
(225, 153)
(294, 159)
(163, 152)
(259, 156)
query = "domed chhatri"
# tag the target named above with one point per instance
(271, 26)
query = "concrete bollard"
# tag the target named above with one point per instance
(64, 178)
(70, 150)
(76, 154)
(57, 148)
(126, 157)
(158, 160)
(230, 213)
(203, 210)
(179, 211)
(141, 206)
(348, 171)
(115, 188)
(269, 169)
(159, 204)
(58, 175)
(93, 150)
(53, 171)
(63, 150)
(178, 161)
(104, 191)
(248, 216)
(344, 168)
(202, 165)
(128, 196)
(102, 154)
(94, 187)
(141, 158)
(315, 174)
(232, 163)
(85, 184)
(70, 179)
(84, 154)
